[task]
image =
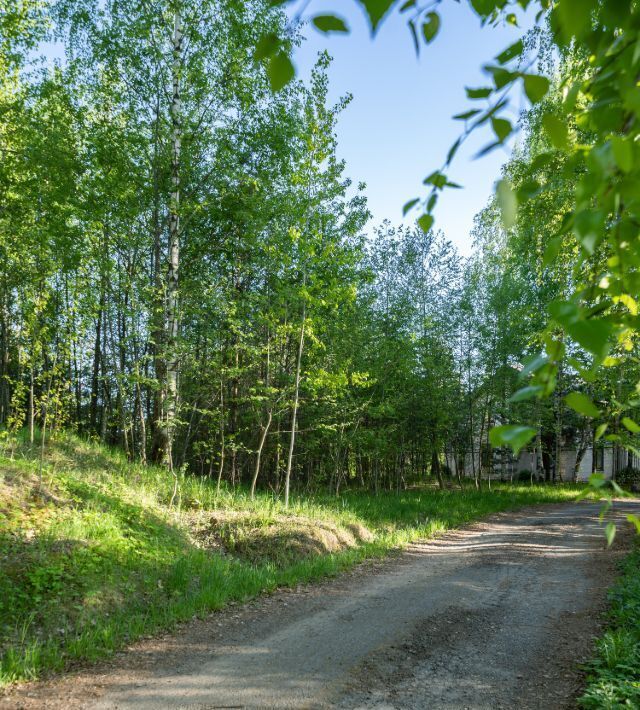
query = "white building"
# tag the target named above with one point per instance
(607, 460)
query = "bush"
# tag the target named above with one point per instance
(628, 477)
(525, 476)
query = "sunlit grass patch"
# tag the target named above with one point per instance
(614, 675)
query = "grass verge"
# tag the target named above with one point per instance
(614, 675)
(97, 558)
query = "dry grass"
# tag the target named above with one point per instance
(281, 539)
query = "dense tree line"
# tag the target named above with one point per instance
(187, 272)
(578, 69)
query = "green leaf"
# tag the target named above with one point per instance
(556, 130)
(526, 393)
(592, 334)
(541, 160)
(487, 149)
(280, 71)
(511, 435)
(437, 179)
(551, 251)
(502, 128)
(267, 46)
(484, 7)
(574, 17)
(631, 425)
(622, 153)
(564, 312)
(528, 189)
(410, 205)
(510, 52)
(330, 23)
(555, 349)
(535, 87)
(507, 202)
(376, 11)
(610, 533)
(425, 222)
(588, 226)
(453, 150)
(481, 93)
(582, 404)
(431, 26)
(597, 480)
(634, 520)
(467, 114)
(533, 365)
(600, 431)
(501, 76)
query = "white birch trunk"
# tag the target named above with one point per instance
(173, 316)
(296, 398)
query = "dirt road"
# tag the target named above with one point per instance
(497, 615)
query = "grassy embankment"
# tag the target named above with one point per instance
(98, 558)
(614, 676)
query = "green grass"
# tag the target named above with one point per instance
(100, 559)
(614, 676)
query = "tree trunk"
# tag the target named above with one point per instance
(173, 316)
(31, 412)
(296, 396)
(263, 438)
(222, 444)
(143, 428)
(158, 432)
(435, 466)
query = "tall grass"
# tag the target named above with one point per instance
(614, 675)
(100, 559)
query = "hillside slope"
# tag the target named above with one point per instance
(95, 557)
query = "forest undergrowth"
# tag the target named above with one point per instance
(94, 557)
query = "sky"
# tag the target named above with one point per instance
(398, 127)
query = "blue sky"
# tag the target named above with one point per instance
(398, 127)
